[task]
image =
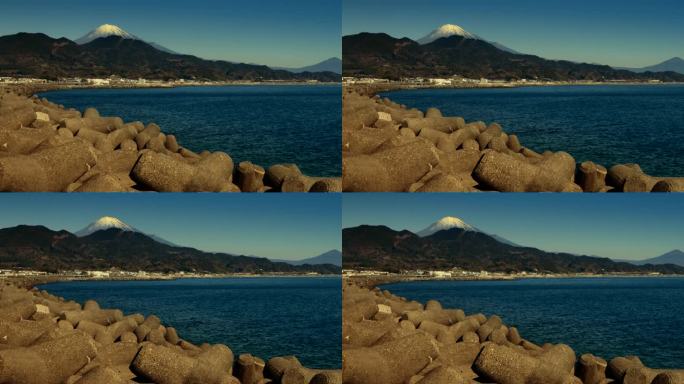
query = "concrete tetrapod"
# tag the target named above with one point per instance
(50, 170)
(51, 362)
(164, 365)
(389, 363)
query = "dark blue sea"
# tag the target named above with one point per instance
(605, 316)
(263, 316)
(609, 125)
(264, 124)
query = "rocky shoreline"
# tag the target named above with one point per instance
(390, 340)
(45, 339)
(389, 147)
(47, 148)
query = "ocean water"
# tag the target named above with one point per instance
(605, 316)
(265, 124)
(609, 125)
(264, 316)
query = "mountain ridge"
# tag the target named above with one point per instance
(675, 64)
(384, 56)
(40, 248)
(333, 64)
(675, 256)
(39, 55)
(382, 248)
(332, 256)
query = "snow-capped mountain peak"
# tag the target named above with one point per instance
(446, 30)
(447, 222)
(105, 30)
(103, 223)
(110, 29)
(109, 222)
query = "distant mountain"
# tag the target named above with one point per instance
(106, 30)
(333, 257)
(673, 257)
(675, 64)
(39, 248)
(333, 64)
(108, 222)
(447, 222)
(450, 222)
(381, 55)
(448, 30)
(38, 55)
(382, 248)
(104, 222)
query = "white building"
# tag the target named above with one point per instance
(440, 82)
(98, 274)
(98, 81)
(440, 274)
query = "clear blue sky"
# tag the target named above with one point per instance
(630, 33)
(284, 226)
(629, 226)
(271, 32)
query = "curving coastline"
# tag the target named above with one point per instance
(46, 339)
(389, 340)
(389, 147)
(47, 148)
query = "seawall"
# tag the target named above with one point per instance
(49, 340)
(45, 147)
(390, 340)
(388, 147)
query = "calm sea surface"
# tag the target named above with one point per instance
(605, 316)
(264, 124)
(263, 316)
(609, 125)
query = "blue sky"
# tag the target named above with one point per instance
(271, 32)
(629, 226)
(630, 33)
(281, 226)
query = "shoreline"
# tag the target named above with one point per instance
(372, 281)
(29, 89)
(372, 89)
(389, 147)
(49, 148)
(31, 281)
(175, 86)
(47, 339)
(391, 340)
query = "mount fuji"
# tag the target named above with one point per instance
(110, 222)
(106, 30)
(450, 222)
(448, 30)
(447, 222)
